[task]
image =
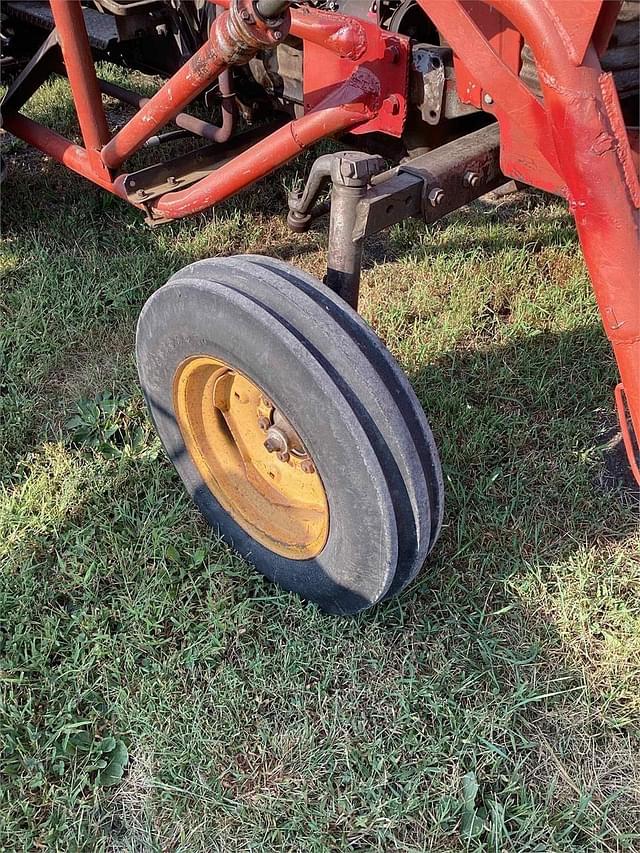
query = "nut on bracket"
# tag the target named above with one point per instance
(436, 196)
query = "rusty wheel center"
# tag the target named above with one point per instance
(251, 458)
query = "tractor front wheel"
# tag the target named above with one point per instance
(292, 428)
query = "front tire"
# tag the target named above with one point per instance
(234, 354)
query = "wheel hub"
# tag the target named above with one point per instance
(283, 440)
(251, 457)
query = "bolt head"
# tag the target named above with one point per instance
(244, 14)
(356, 165)
(307, 466)
(283, 456)
(487, 98)
(264, 423)
(277, 35)
(271, 445)
(471, 179)
(436, 195)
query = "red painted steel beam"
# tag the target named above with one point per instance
(261, 159)
(72, 156)
(338, 48)
(76, 52)
(186, 84)
(341, 34)
(595, 158)
(591, 152)
(526, 151)
(235, 36)
(338, 33)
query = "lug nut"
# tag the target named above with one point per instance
(470, 179)
(307, 466)
(436, 196)
(487, 98)
(271, 444)
(283, 456)
(277, 35)
(264, 423)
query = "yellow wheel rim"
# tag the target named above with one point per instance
(225, 420)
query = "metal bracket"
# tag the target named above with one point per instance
(364, 201)
(146, 184)
(345, 168)
(433, 184)
(350, 173)
(428, 79)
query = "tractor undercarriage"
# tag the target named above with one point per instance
(439, 102)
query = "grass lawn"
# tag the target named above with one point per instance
(159, 695)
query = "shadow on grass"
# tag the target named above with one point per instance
(534, 468)
(462, 668)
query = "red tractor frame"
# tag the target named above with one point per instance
(570, 139)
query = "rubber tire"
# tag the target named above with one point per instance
(391, 374)
(198, 316)
(372, 381)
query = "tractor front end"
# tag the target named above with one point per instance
(291, 425)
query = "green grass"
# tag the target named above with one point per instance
(158, 694)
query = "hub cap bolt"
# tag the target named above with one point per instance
(283, 456)
(307, 466)
(436, 196)
(264, 423)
